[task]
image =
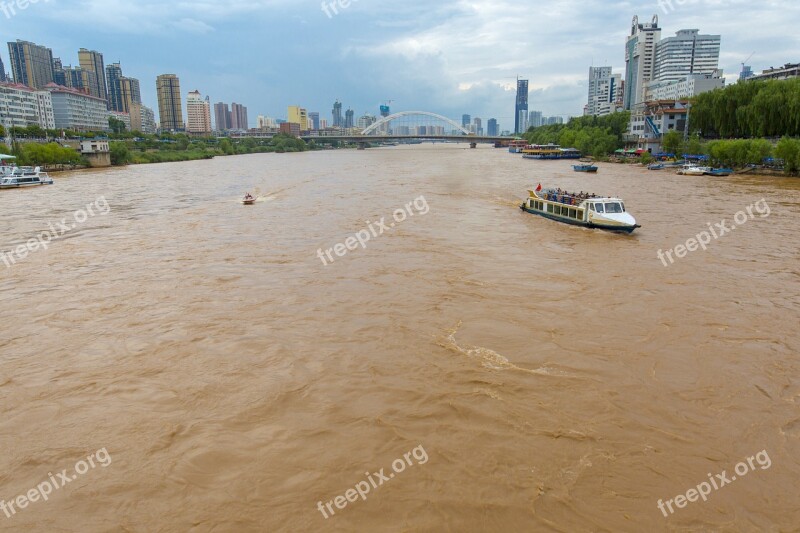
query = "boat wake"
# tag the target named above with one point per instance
(491, 359)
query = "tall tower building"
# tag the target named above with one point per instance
(31, 64)
(337, 114)
(198, 114)
(640, 59)
(492, 130)
(686, 53)
(478, 126)
(2, 70)
(170, 110)
(92, 61)
(521, 109)
(222, 117)
(113, 75)
(603, 91)
(239, 117)
(349, 118)
(59, 76)
(313, 120)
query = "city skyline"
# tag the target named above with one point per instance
(475, 76)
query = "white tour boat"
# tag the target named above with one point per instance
(590, 211)
(24, 177)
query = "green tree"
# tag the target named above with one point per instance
(120, 154)
(789, 150)
(672, 142)
(117, 126)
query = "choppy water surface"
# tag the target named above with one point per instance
(558, 378)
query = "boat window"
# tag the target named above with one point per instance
(623, 206)
(580, 214)
(613, 207)
(599, 208)
(572, 213)
(549, 208)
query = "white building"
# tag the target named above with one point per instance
(74, 110)
(21, 106)
(686, 53)
(366, 121)
(640, 52)
(687, 87)
(651, 120)
(604, 91)
(198, 114)
(264, 122)
(148, 120)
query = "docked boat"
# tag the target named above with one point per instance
(605, 213)
(517, 145)
(584, 168)
(24, 177)
(694, 170)
(720, 172)
(656, 166)
(550, 151)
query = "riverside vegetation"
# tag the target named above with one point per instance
(138, 148)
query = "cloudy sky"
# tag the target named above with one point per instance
(446, 56)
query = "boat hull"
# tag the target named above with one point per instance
(573, 222)
(23, 185)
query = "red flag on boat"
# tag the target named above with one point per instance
(539, 188)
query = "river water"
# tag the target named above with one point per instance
(546, 377)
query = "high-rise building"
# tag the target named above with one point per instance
(31, 64)
(337, 114)
(239, 117)
(298, 115)
(113, 75)
(170, 109)
(492, 129)
(535, 119)
(478, 126)
(366, 121)
(92, 61)
(313, 120)
(147, 119)
(349, 118)
(77, 78)
(640, 59)
(466, 120)
(2, 70)
(130, 94)
(747, 72)
(686, 53)
(59, 76)
(198, 114)
(222, 117)
(521, 109)
(604, 88)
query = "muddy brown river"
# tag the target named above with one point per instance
(175, 361)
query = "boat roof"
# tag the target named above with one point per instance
(595, 199)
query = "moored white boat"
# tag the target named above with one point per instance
(24, 177)
(694, 170)
(607, 213)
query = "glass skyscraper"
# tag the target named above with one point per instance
(521, 109)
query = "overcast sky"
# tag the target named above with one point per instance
(446, 56)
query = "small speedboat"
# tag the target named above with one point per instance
(694, 170)
(584, 168)
(720, 172)
(249, 199)
(656, 166)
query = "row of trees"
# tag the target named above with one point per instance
(596, 136)
(182, 148)
(36, 154)
(751, 109)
